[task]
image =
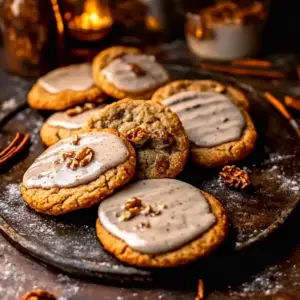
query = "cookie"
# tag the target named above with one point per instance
(64, 124)
(219, 128)
(160, 140)
(160, 223)
(236, 95)
(126, 72)
(65, 87)
(78, 172)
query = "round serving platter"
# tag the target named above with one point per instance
(69, 242)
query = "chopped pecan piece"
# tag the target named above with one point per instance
(82, 158)
(142, 226)
(38, 295)
(88, 106)
(133, 202)
(125, 215)
(137, 70)
(161, 139)
(74, 111)
(146, 210)
(162, 164)
(235, 177)
(138, 136)
(75, 140)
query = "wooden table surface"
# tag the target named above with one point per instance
(268, 271)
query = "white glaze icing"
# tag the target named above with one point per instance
(120, 73)
(74, 77)
(60, 119)
(186, 217)
(109, 151)
(209, 118)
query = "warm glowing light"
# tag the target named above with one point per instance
(95, 18)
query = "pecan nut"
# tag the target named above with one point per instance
(75, 160)
(137, 70)
(161, 139)
(235, 177)
(38, 295)
(138, 136)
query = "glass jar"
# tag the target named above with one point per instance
(29, 36)
(226, 30)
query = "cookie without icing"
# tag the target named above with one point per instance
(161, 143)
(59, 126)
(53, 186)
(219, 142)
(126, 72)
(189, 225)
(65, 87)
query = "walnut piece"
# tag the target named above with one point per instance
(133, 202)
(138, 136)
(142, 226)
(75, 140)
(137, 70)
(74, 160)
(235, 177)
(78, 109)
(74, 111)
(38, 295)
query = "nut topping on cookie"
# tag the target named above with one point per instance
(133, 202)
(138, 136)
(75, 160)
(142, 226)
(78, 109)
(235, 177)
(137, 70)
(161, 139)
(75, 140)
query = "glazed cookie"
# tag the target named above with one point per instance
(161, 142)
(160, 223)
(175, 87)
(219, 129)
(78, 172)
(126, 72)
(65, 87)
(64, 124)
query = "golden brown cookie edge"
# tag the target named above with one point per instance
(99, 189)
(99, 63)
(40, 98)
(184, 255)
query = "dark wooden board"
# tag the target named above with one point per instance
(69, 242)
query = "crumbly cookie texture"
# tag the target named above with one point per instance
(237, 96)
(222, 154)
(102, 60)
(161, 142)
(40, 98)
(184, 255)
(56, 201)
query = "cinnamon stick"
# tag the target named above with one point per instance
(12, 144)
(16, 146)
(200, 293)
(249, 62)
(278, 105)
(292, 102)
(244, 71)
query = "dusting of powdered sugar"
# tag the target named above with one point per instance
(8, 104)
(15, 282)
